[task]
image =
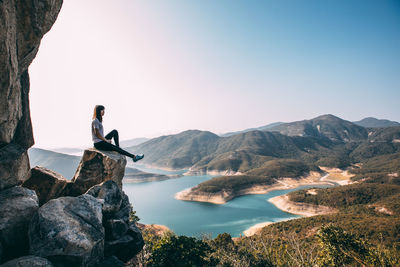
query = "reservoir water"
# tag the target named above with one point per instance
(154, 203)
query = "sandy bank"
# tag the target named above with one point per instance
(336, 175)
(314, 178)
(157, 229)
(192, 172)
(304, 209)
(256, 229)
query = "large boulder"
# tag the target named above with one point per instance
(17, 206)
(125, 210)
(68, 231)
(96, 167)
(46, 183)
(115, 228)
(123, 239)
(14, 166)
(28, 261)
(127, 246)
(22, 26)
(111, 196)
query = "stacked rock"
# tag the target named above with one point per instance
(92, 229)
(122, 238)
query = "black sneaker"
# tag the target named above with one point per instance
(138, 157)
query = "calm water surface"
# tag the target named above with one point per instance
(154, 203)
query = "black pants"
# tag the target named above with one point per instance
(103, 145)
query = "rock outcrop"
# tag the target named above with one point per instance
(80, 231)
(17, 206)
(28, 261)
(46, 183)
(14, 165)
(22, 26)
(68, 231)
(110, 195)
(96, 167)
(122, 238)
(65, 231)
(112, 262)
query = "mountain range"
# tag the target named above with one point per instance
(369, 122)
(326, 140)
(376, 123)
(323, 141)
(64, 164)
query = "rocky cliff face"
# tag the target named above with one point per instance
(22, 26)
(85, 229)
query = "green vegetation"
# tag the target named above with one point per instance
(132, 215)
(232, 183)
(264, 175)
(329, 245)
(346, 196)
(380, 169)
(172, 250)
(340, 248)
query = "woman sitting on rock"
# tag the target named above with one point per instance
(102, 142)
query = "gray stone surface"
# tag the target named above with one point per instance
(17, 206)
(115, 229)
(134, 232)
(125, 209)
(112, 262)
(22, 26)
(14, 166)
(46, 183)
(1, 253)
(111, 195)
(96, 167)
(68, 231)
(127, 246)
(28, 261)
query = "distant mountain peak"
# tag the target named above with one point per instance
(328, 117)
(371, 122)
(324, 126)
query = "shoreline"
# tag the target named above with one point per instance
(157, 229)
(299, 208)
(212, 173)
(283, 203)
(281, 184)
(256, 229)
(149, 166)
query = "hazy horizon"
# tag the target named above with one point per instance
(222, 66)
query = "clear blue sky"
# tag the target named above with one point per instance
(167, 66)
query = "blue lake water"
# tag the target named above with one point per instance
(154, 203)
